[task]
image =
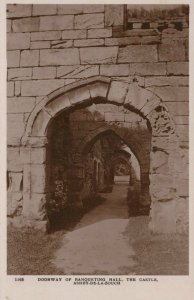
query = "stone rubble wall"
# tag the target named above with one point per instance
(50, 46)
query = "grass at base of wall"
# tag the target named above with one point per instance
(29, 251)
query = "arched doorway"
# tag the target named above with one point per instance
(163, 187)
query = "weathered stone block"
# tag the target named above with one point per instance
(26, 182)
(132, 117)
(25, 153)
(15, 125)
(172, 94)
(99, 55)
(13, 58)
(18, 41)
(45, 36)
(166, 81)
(117, 92)
(163, 219)
(14, 203)
(74, 9)
(40, 87)
(159, 162)
(10, 89)
(12, 153)
(20, 104)
(171, 52)
(59, 57)
(25, 25)
(35, 142)
(100, 33)
(17, 88)
(150, 105)
(181, 120)
(178, 68)
(74, 34)
(98, 90)
(114, 70)
(37, 206)
(93, 8)
(44, 72)
(150, 40)
(29, 58)
(19, 10)
(183, 187)
(162, 187)
(178, 108)
(69, 9)
(136, 96)
(38, 155)
(89, 21)
(112, 117)
(122, 41)
(8, 25)
(56, 23)
(148, 69)
(138, 53)
(183, 132)
(77, 96)
(178, 163)
(118, 32)
(44, 9)
(133, 40)
(59, 104)
(61, 44)
(13, 141)
(182, 215)
(89, 42)
(13, 160)
(20, 74)
(77, 71)
(114, 15)
(40, 45)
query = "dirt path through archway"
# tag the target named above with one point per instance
(98, 245)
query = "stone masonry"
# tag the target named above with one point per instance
(61, 57)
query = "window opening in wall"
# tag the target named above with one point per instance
(145, 25)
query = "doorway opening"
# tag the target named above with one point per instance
(90, 156)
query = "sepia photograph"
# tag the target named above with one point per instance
(97, 139)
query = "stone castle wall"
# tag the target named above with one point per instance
(51, 46)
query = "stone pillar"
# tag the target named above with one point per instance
(75, 182)
(162, 187)
(35, 186)
(14, 193)
(145, 193)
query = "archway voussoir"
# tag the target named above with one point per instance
(99, 90)
(40, 125)
(137, 96)
(117, 91)
(57, 105)
(150, 105)
(79, 95)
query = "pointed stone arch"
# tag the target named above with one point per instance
(163, 187)
(87, 91)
